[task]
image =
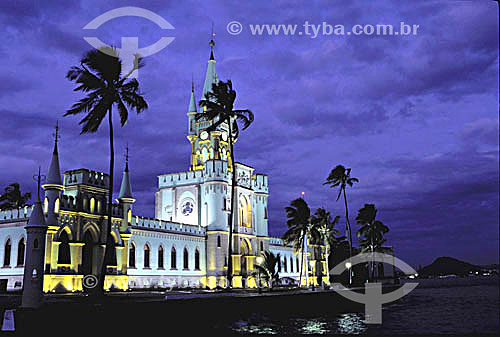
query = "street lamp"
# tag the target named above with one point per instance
(260, 259)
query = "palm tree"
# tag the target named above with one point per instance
(371, 230)
(99, 76)
(219, 104)
(299, 219)
(323, 223)
(268, 267)
(341, 177)
(13, 198)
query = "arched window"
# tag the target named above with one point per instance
(284, 264)
(63, 256)
(131, 255)
(6, 256)
(186, 259)
(56, 206)
(262, 246)
(297, 263)
(160, 257)
(265, 212)
(218, 241)
(46, 205)
(20, 252)
(92, 205)
(173, 259)
(196, 260)
(146, 256)
(291, 265)
(279, 265)
(35, 244)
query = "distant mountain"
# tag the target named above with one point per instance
(447, 266)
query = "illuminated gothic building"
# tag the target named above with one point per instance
(185, 245)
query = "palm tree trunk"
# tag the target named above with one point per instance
(348, 227)
(306, 262)
(109, 238)
(301, 260)
(327, 246)
(231, 213)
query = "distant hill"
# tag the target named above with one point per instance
(447, 266)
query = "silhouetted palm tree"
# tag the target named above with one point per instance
(299, 220)
(219, 105)
(100, 77)
(371, 230)
(323, 223)
(341, 177)
(13, 198)
(268, 267)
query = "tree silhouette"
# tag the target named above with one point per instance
(219, 108)
(99, 76)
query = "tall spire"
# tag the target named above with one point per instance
(211, 76)
(54, 174)
(125, 189)
(192, 101)
(36, 217)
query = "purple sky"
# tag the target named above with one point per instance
(415, 117)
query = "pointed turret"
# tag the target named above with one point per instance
(54, 174)
(125, 197)
(36, 232)
(192, 100)
(53, 186)
(36, 218)
(211, 76)
(126, 189)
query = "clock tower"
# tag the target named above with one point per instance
(207, 145)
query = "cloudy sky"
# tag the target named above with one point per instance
(414, 116)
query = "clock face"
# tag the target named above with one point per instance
(224, 136)
(204, 135)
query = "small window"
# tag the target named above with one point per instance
(56, 206)
(131, 255)
(160, 257)
(218, 241)
(262, 246)
(46, 205)
(6, 257)
(279, 265)
(173, 259)
(35, 244)
(147, 256)
(20, 252)
(186, 259)
(284, 264)
(196, 260)
(291, 265)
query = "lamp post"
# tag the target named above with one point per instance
(259, 259)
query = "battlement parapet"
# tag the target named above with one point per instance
(86, 177)
(150, 223)
(260, 183)
(21, 213)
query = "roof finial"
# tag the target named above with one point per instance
(126, 158)
(38, 178)
(56, 136)
(192, 83)
(212, 43)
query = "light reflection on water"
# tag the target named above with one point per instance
(351, 323)
(348, 323)
(466, 306)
